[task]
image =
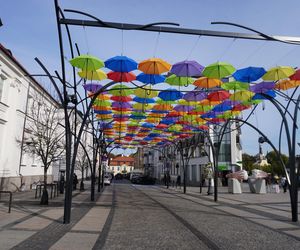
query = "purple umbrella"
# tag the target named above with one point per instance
(230, 102)
(194, 96)
(183, 108)
(262, 87)
(92, 87)
(187, 68)
(123, 105)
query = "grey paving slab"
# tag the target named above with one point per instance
(10, 238)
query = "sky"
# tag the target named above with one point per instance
(29, 30)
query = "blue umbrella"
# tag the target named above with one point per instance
(137, 117)
(221, 108)
(121, 64)
(143, 100)
(102, 112)
(262, 87)
(270, 93)
(150, 78)
(249, 74)
(210, 114)
(170, 95)
(148, 125)
(168, 121)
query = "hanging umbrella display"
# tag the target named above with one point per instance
(261, 96)
(121, 98)
(165, 107)
(235, 85)
(249, 74)
(207, 102)
(92, 87)
(183, 108)
(145, 92)
(103, 97)
(242, 95)
(218, 70)
(278, 73)
(170, 95)
(150, 78)
(221, 108)
(120, 90)
(241, 107)
(121, 64)
(121, 105)
(218, 95)
(194, 96)
(143, 100)
(155, 66)
(179, 80)
(286, 84)
(87, 62)
(296, 75)
(262, 87)
(121, 76)
(207, 83)
(187, 68)
(97, 75)
(142, 106)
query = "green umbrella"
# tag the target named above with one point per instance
(235, 85)
(179, 80)
(120, 90)
(251, 102)
(218, 70)
(87, 62)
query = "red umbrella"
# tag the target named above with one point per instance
(162, 126)
(121, 98)
(240, 107)
(218, 95)
(121, 76)
(296, 75)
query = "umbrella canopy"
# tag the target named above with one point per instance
(261, 96)
(179, 80)
(87, 62)
(150, 78)
(123, 105)
(235, 85)
(97, 75)
(154, 66)
(277, 73)
(121, 64)
(287, 84)
(243, 95)
(92, 87)
(121, 76)
(165, 107)
(145, 92)
(120, 90)
(218, 95)
(187, 68)
(194, 96)
(218, 70)
(142, 106)
(143, 100)
(183, 108)
(170, 95)
(121, 98)
(221, 108)
(249, 74)
(296, 75)
(205, 82)
(262, 87)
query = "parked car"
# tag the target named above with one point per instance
(107, 180)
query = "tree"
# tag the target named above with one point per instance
(44, 136)
(248, 161)
(275, 165)
(82, 164)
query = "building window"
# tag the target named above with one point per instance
(113, 168)
(118, 168)
(124, 168)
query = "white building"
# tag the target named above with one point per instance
(17, 91)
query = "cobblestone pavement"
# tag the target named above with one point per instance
(126, 216)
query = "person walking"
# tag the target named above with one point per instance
(284, 184)
(178, 181)
(75, 181)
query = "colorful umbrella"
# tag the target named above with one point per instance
(121, 98)
(121, 64)
(145, 92)
(278, 73)
(87, 62)
(194, 96)
(183, 108)
(121, 76)
(205, 82)
(296, 75)
(218, 95)
(187, 68)
(235, 85)
(170, 95)
(242, 95)
(260, 96)
(123, 105)
(154, 66)
(92, 87)
(143, 100)
(120, 90)
(262, 87)
(179, 80)
(150, 78)
(218, 70)
(287, 84)
(97, 75)
(249, 74)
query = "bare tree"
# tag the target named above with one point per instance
(44, 137)
(82, 164)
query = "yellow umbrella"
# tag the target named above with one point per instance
(205, 82)
(287, 84)
(243, 95)
(154, 66)
(103, 97)
(277, 73)
(146, 93)
(98, 74)
(184, 102)
(142, 106)
(207, 102)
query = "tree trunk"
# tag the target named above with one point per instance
(44, 199)
(93, 187)
(81, 182)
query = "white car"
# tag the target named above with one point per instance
(106, 180)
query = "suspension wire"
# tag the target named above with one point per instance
(227, 48)
(122, 41)
(86, 39)
(194, 47)
(156, 43)
(252, 54)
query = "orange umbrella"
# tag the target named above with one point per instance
(154, 66)
(287, 84)
(205, 82)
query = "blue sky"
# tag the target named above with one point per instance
(30, 31)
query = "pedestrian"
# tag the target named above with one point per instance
(284, 184)
(168, 179)
(178, 181)
(165, 179)
(269, 183)
(75, 181)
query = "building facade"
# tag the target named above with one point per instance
(121, 165)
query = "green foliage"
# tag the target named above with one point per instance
(248, 161)
(276, 167)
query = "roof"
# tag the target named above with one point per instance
(123, 158)
(120, 160)
(9, 54)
